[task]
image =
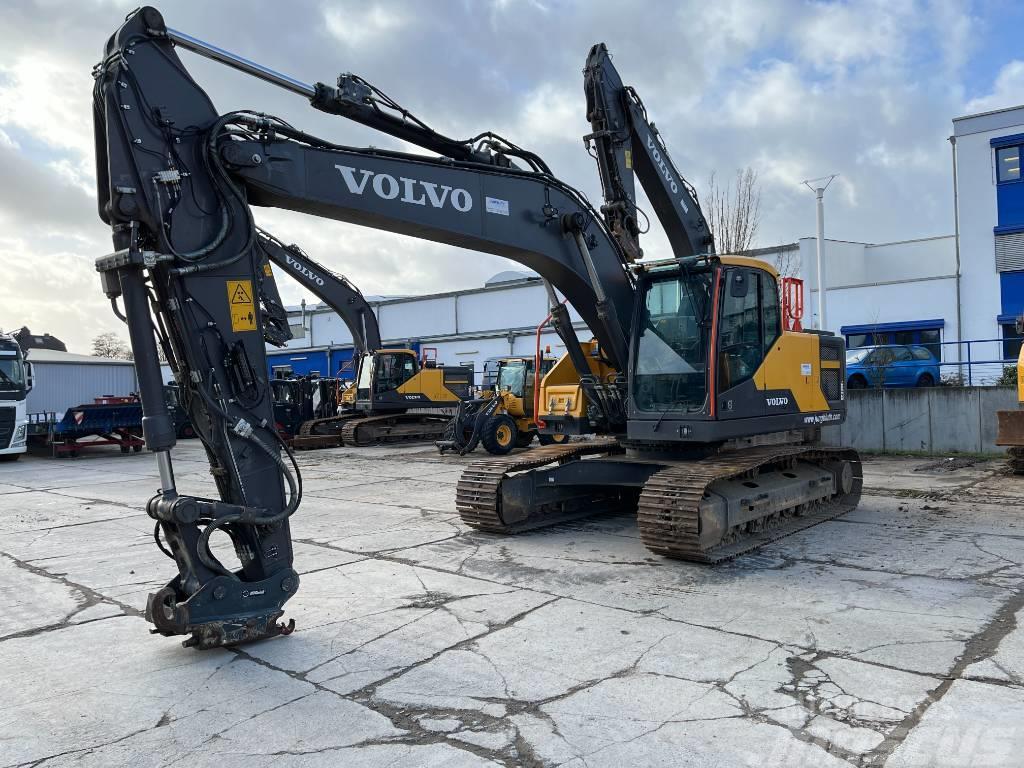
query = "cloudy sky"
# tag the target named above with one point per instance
(793, 88)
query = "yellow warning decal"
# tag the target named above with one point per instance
(267, 271)
(629, 158)
(243, 311)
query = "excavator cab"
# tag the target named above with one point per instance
(382, 373)
(711, 362)
(516, 378)
(392, 380)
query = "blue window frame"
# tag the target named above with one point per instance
(1007, 164)
(1007, 153)
(925, 333)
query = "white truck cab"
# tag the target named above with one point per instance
(15, 383)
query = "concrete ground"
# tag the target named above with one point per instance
(889, 637)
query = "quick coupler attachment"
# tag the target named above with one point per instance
(224, 611)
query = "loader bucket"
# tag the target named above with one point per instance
(1011, 428)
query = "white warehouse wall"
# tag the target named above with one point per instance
(415, 318)
(59, 386)
(886, 283)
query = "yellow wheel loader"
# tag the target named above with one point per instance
(503, 418)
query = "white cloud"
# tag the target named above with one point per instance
(795, 89)
(1007, 91)
(773, 94)
(835, 35)
(49, 98)
(363, 26)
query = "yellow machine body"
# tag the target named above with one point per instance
(561, 393)
(784, 368)
(430, 384)
(520, 406)
(1011, 423)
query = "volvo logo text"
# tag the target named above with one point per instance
(304, 270)
(663, 167)
(777, 401)
(412, 191)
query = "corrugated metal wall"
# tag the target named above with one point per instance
(59, 386)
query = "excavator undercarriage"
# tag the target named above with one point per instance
(704, 510)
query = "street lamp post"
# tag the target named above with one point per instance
(819, 191)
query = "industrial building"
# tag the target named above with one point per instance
(990, 204)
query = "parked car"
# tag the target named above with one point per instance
(897, 365)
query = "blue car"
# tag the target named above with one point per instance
(897, 365)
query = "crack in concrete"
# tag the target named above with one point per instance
(407, 718)
(86, 597)
(520, 751)
(980, 646)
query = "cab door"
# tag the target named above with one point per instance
(743, 337)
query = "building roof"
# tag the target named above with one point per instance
(994, 120)
(56, 356)
(989, 112)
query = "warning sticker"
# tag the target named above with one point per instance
(243, 311)
(629, 158)
(267, 271)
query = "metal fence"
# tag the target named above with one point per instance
(972, 362)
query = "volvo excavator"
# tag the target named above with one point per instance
(394, 391)
(709, 425)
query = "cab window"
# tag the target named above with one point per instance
(740, 337)
(770, 315)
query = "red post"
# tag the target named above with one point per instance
(792, 289)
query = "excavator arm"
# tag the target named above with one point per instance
(344, 298)
(175, 183)
(626, 143)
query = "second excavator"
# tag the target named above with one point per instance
(710, 411)
(397, 397)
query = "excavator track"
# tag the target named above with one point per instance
(320, 433)
(1015, 460)
(478, 493)
(669, 511)
(394, 428)
(670, 504)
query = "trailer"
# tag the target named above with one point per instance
(106, 421)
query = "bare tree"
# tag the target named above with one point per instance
(787, 262)
(111, 345)
(734, 212)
